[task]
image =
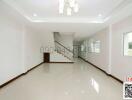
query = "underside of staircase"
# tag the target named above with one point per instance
(61, 52)
(59, 58)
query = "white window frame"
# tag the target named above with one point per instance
(91, 46)
(97, 42)
(124, 44)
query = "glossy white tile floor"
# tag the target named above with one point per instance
(79, 81)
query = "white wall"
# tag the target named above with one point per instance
(65, 40)
(99, 59)
(121, 65)
(47, 39)
(33, 43)
(19, 45)
(111, 58)
(11, 36)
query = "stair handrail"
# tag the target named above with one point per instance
(64, 46)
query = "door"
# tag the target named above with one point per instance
(46, 57)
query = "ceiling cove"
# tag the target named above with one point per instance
(35, 16)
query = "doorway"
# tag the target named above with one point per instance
(46, 57)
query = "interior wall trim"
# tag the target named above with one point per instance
(10, 81)
(102, 70)
(59, 62)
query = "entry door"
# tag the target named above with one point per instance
(46, 57)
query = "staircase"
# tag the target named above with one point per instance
(59, 48)
(61, 53)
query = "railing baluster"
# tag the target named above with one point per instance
(63, 50)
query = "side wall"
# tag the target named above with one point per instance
(121, 65)
(32, 44)
(19, 45)
(11, 40)
(111, 58)
(99, 59)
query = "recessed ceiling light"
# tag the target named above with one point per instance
(34, 15)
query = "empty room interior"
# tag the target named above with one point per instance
(65, 49)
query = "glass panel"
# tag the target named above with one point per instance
(128, 44)
(97, 47)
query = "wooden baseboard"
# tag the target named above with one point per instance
(102, 70)
(34, 67)
(116, 78)
(61, 62)
(5, 84)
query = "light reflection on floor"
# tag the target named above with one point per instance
(78, 81)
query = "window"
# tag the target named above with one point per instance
(91, 45)
(94, 46)
(128, 44)
(97, 46)
(82, 47)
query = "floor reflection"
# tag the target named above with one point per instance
(78, 81)
(46, 68)
(95, 85)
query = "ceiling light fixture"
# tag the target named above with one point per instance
(76, 8)
(61, 6)
(72, 3)
(61, 10)
(69, 11)
(69, 5)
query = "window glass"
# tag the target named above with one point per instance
(91, 45)
(128, 44)
(82, 47)
(94, 46)
(97, 46)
